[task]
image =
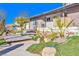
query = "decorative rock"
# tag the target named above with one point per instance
(49, 51)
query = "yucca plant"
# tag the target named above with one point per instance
(44, 37)
(52, 34)
(62, 26)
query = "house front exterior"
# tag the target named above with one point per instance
(46, 20)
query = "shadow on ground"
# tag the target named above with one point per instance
(10, 49)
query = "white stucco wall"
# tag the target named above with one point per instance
(32, 26)
(49, 24)
(75, 18)
(27, 26)
(40, 22)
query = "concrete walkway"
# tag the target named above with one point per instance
(17, 49)
(12, 38)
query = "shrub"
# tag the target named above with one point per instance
(2, 42)
(35, 37)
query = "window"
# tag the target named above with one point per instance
(35, 23)
(64, 14)
(49, 19)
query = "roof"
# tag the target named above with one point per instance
(55, 10)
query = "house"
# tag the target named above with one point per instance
(9, 26)
(46, 20)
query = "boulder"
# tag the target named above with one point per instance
(49, 51)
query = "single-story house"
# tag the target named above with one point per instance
(46, 19)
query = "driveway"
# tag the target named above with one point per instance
(17, 49)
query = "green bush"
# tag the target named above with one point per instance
(35, 37)
(2, 42)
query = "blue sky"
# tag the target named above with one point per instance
(13, 10)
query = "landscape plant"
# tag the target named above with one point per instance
(21, 21)
(62, 26)
(44, 36)
(2, 42)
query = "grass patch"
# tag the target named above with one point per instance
(37, 48)
(71, 48)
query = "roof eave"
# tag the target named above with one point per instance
(57, 9)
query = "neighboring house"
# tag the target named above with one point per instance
(46, 20)
(9, 26)
(17, 26)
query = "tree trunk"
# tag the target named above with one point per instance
(21, 30)
(25, 26)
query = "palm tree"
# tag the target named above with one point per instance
(21, 21)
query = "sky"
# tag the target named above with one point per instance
(13, 10)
